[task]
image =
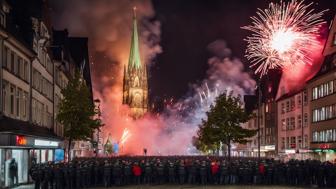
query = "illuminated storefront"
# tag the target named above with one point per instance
(324, 152)
(19, 152)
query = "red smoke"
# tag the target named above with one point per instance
(108, 26)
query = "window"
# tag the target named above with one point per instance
(315, 136)
(324, 113)
(299, 141)
(305, 120)
(287, 106)
(323, 90)
(334, 42)
(305, 98)
(283, 124)
(292, 104)
(16, 65)
(282, 108)
(283, 142)
(305, 141)
(299, 118)
(292, 123)
(3, 19)
(266, 108)
(18, 94)
(12, 62)
(5, 57)
(4, 95)
(292, 142)
(299, 100)
(25, 71)
(25, 104)
(287, 142)
(12, 93)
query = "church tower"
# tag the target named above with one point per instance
(135, 86)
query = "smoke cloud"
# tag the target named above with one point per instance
(108, 24)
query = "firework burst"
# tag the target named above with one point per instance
(126, 134)
(285, 34)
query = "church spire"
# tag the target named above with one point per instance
(134, 57)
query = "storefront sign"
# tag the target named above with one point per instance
(325, 146)
(325, 150)
(21, 140)
(270, 147)
(290, 151)
(45, 143)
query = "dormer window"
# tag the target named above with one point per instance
(44, 31)
(4, 10)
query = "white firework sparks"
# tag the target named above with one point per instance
(284, 34)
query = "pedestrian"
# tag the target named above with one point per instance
(181, 172)
(215, 172)
(137, 173)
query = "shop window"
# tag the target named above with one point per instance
(16, 171)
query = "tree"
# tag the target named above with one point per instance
(77, 112)
(223, 125)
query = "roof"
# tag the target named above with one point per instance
(25, 128)
(326, 67)
(19, 22)
(270, 84)
(329, 53)
(290, 94)
(134, 56)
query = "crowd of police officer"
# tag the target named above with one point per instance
(204, 170)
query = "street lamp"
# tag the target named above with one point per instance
(259, 116)
(97, 101)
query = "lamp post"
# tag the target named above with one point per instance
(259, 116)
(97, 101)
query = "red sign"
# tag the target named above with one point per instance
(21, 140)
(325, 146)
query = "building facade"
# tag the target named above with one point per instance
(35, 66)
(293, 126)
(135, 84)
(322, 102)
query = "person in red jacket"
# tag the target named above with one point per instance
(215, 171)
(261, 172)
(137, 173)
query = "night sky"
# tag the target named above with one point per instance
(188, 27)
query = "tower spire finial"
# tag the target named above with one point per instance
(134, 12)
